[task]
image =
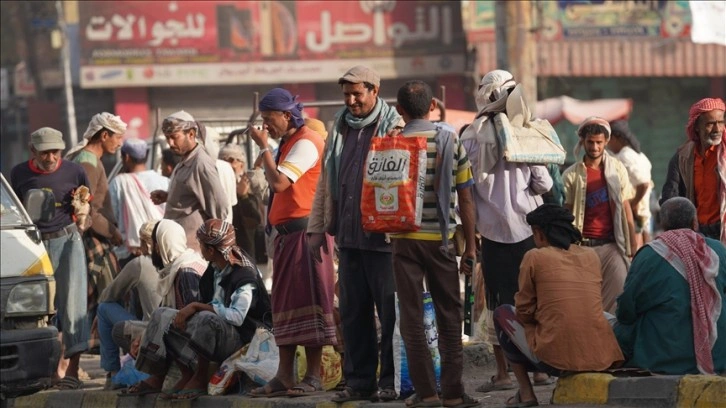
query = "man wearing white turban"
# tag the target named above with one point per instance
(195, 192)
(103, 136)
(504, 193)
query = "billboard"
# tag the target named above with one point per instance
(599, 19)
(159, 43)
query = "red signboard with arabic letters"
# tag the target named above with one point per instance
(122, 41)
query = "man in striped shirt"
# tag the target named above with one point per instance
(429, 253)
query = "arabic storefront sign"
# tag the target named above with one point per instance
(129, 43)
(567, 19)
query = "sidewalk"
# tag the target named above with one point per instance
(581, 391)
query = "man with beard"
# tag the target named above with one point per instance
(195, 192)
(698, 169)
(598, 192)
(302, 285)
(45, 170)
(365, 273)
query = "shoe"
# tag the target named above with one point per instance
(466, 402)
(415, 402)
(516, 402)
(190, 394)
(493, 386)
(273, 388)
(349, 394)
(69, 383)
(387, 394)
(308, 386)
(139, 389)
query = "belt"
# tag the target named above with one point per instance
(291, 226)
(589, 242)
(67, 230)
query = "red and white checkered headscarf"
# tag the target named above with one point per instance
(698, 108)
(220, 234)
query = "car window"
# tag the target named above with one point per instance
(11, 215)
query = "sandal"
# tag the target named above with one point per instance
(139, 389)
(414, 401)
(466, 402)
(515, 401)
(273, 388)
(69, 383)
(549, 380)
(190, 394)
(491, 385)
(349, 394)
(387, 394)
(308, 386)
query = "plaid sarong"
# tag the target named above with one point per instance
(102, 266)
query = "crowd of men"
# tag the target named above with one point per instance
(575, 279)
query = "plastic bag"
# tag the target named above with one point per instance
(393, 184)
(129, 375)
(331, 367)
(224, 378)
(402, 380)
(259, 360)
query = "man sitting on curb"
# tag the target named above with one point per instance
(557, 323)
(672, 313)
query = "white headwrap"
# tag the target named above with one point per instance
(172, 242)
(99, 121)
(493, 86)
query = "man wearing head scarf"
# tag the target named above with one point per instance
(130, 193)
(302, 287)
(598, 192)
(62, 239)
(103, 136)
(179, 272)
(671, 317)
(195, 192)
(698, 169)
(557, 322)
(365, 275)
(248, 212)
(504, 193)
(234, 303)
(626, 148)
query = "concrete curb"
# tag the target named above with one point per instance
(655, 391)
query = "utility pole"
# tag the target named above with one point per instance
(516, 43)
(67, 80)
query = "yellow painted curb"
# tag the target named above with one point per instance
(31, 401)
(705, 391)
(587, 388)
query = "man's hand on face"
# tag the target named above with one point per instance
(260, 137)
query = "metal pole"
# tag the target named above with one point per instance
(67, 80)
(500, 21)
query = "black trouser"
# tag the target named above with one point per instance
(365, 280)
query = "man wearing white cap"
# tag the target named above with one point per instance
(598, 192)
(195, 193)
(61, 237)
(130, 194)
(103, 136)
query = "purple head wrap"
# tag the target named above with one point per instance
(282, 100)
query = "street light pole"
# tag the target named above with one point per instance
(67, 80)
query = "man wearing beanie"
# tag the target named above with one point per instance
(130, 193)
(365, 275)
(62, 239)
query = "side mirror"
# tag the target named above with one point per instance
(40, 205)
